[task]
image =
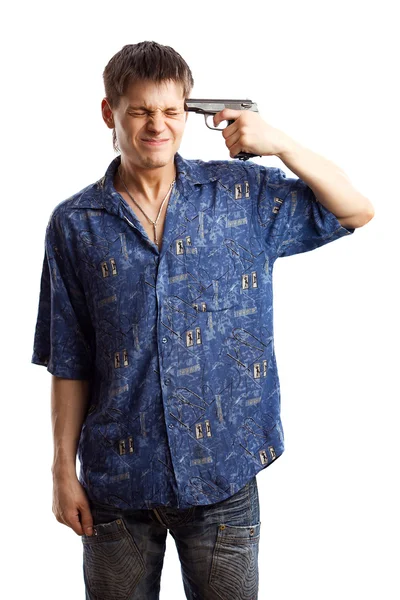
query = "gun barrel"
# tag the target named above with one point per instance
(212, 106)
(212, 100)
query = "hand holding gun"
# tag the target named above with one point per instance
(212, 107)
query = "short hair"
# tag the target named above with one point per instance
(145, 61)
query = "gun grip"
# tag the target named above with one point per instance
(245, 155)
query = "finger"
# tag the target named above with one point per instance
(233, 139)
(58, 512)
(227, 114)
(217, 119)
(235, 149)
(86, 520)
(60, 517)
(230, 130)
(70, 519)
(74, 522)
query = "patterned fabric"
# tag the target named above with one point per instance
(178, 343)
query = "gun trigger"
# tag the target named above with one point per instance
(214, 128)
(206, 115)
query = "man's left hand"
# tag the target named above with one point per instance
(250, 133)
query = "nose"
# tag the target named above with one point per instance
(155, 122)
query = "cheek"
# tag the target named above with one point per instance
(131, 126)
(179, 128)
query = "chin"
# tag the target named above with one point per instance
(157, 161)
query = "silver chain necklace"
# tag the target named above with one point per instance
(154, 223)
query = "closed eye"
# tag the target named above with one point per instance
(143, 113)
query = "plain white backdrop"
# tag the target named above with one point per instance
(326, 73)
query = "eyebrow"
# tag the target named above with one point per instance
(149, 110)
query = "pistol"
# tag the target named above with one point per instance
(211, 107)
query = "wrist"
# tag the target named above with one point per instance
(288, 146)
(62, 472)
(63, 467)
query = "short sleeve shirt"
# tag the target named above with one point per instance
(178, 343)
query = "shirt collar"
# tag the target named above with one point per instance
(102, 194)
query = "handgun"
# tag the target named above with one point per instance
(211, 107)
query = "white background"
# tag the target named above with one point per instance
(327, 74)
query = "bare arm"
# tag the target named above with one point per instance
(69, 403)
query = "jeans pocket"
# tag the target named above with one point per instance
(112, 562)
(234, 568)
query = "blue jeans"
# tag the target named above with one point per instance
(217, 546)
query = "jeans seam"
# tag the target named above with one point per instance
(250, 504)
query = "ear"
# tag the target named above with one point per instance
(107, 114)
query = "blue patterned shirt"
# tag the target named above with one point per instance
(178, 343)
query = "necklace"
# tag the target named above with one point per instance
(154, 223)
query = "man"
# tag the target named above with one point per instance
(155, 320)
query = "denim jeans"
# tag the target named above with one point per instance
(217, 546)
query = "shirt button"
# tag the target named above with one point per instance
(167, 381)
(164, 340)
(170, 426)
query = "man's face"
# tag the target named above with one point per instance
(149, 122)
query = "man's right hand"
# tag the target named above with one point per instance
(70, 504)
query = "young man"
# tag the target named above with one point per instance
(155, 320)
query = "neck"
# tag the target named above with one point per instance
(148, 183)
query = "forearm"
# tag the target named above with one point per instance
(331, 186)
(69, 403)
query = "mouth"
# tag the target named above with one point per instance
(155, 143)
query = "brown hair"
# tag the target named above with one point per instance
(143, 61)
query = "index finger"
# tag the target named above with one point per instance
(227, 114)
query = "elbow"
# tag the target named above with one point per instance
(365, 215)
(357, 220)
(370, 215)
